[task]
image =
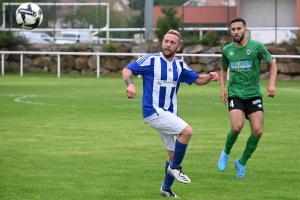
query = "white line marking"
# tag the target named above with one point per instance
(19, 100)
(22, 96)
(289, 89)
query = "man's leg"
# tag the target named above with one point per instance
(165, 189)
(181, 146)
(168, 181)
(169, 126)
(230, 140)
(256, 120)
(237, 122)
(179, 153)
(169, 144)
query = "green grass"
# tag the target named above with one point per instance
(81, 138)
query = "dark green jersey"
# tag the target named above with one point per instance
(244, 68)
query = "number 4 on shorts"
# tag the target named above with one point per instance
(231, 103)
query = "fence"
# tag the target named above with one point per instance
(106, 28)
(98, 54)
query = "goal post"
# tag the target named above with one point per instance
(95, 30)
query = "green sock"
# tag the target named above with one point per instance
(250, 148)
(230, 140)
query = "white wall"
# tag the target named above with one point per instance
(261, 13)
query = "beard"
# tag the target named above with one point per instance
(168, 54)
(238, 40)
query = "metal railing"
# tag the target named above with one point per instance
(107, 29)
(98, 54)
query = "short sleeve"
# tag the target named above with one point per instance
(264, 54)
(225, 61)
(142, 65)
(188, 75)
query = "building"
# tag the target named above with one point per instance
(217, 13)
(204, 13)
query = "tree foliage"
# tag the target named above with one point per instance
(7, 39)
(210, 38)
(140, 5)
(169, 21)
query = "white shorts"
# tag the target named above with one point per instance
(169, 126)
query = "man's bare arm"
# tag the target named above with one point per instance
(127, 76)
(223, 77)
(273, 74)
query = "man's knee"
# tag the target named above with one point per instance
(236, 129)
(257, 132)
(187, 131)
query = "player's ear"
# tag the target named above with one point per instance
(178, 48)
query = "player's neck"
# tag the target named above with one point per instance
(242, 43)
(170, 59)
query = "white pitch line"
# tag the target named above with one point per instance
(288, 89)
(22, 96)
(20, 100)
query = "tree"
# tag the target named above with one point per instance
(140, 5)
(170, 21)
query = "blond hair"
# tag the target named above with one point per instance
(174, 32)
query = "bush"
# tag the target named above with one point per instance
(190, 37)
(210, 38)
(111, 47)
(7, 39)
(296, 41)
(168, 22)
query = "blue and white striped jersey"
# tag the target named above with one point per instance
(161, 81)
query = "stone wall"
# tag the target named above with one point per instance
(288, 68)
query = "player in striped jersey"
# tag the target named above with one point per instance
(162, 74)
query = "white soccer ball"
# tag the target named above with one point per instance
(29, 16)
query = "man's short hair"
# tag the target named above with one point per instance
(174, 32)
(238, 20)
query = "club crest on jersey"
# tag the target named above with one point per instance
(231, 53)
(248, 52)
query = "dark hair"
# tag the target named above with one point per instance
(238, 20)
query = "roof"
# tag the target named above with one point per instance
(210, 3)
(200, 15)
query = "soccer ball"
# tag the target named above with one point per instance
(29, 16)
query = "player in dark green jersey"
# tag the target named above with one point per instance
(242, 58)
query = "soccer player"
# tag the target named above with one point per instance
(243, 59)
(162, 74)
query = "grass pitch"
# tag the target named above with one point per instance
(81, 138)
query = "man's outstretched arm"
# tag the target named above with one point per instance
(204, 79)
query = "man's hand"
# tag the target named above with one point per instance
(271, 90)
(131, 91)
(214, 76)
(224, 96)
